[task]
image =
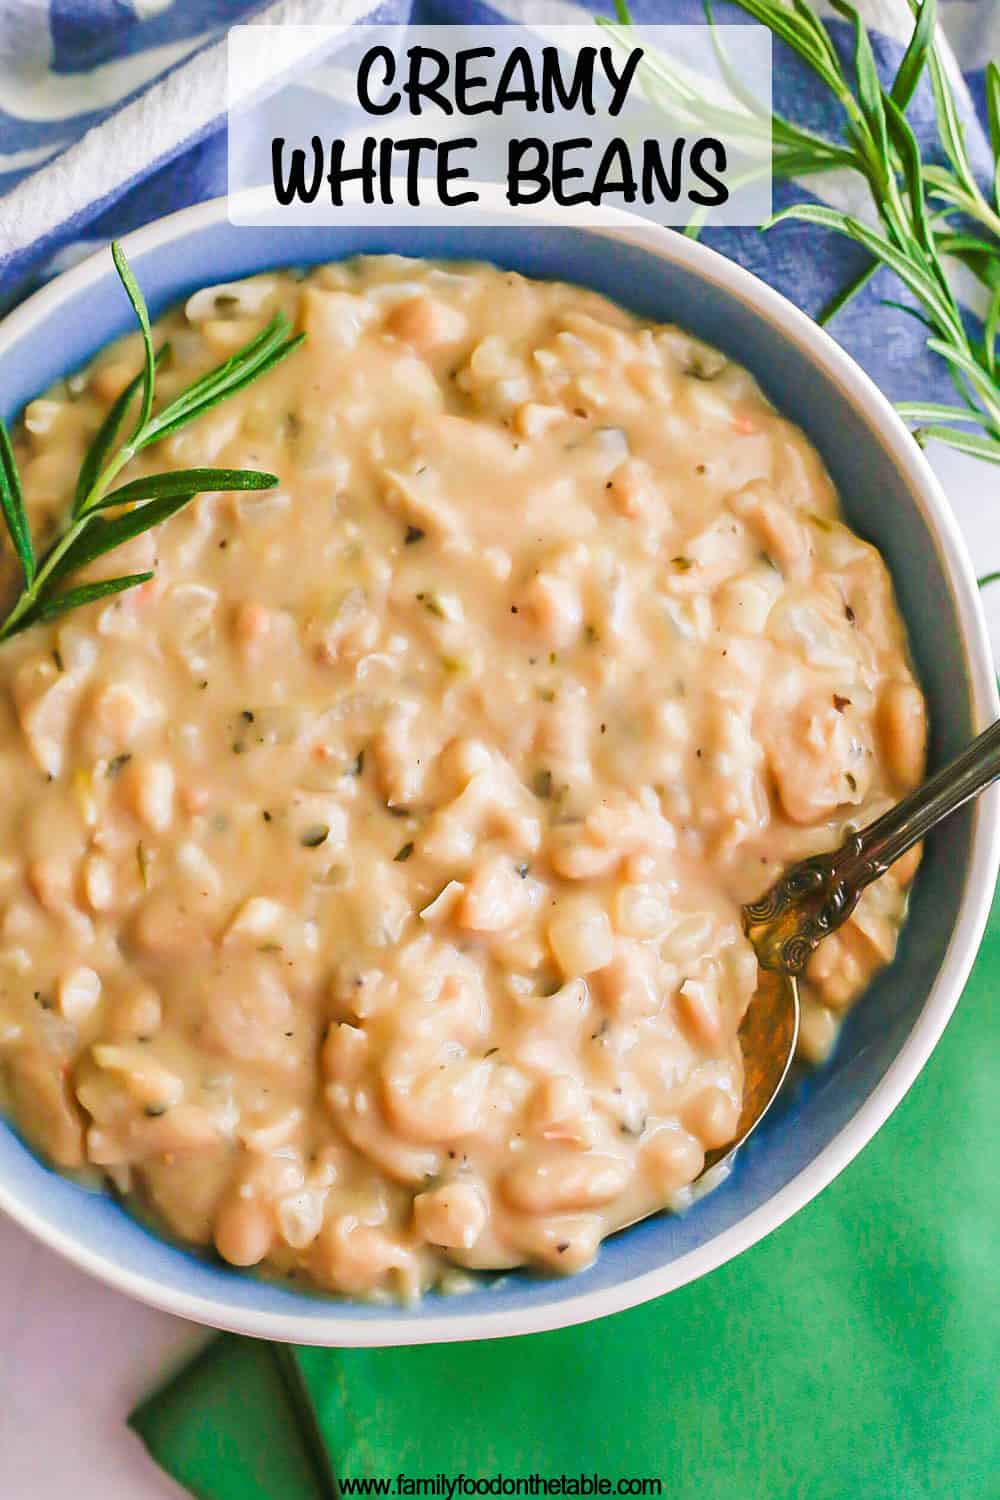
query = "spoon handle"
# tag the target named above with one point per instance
(816, 896)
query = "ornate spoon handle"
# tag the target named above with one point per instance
(816, 896)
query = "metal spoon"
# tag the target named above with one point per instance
(813, 899)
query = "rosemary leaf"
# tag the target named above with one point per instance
(840, 299)
(732, 79)
(990, 333)
(868, 86)
(187, 482)
(985, 268)
(61, 604)
(992, 85)
(933, 411)
(100, 536)
(964, 245)
(965, 442)
(245, 365)
(909, 155)
(807, 161)
(949, 125)
(217, 378)
(978, 377)
(105, 436)
(274, 357)
(910, 311)
(141, 311)
(261, 368)
(12, 502)
(944, 186)
(915, 57)
(89, 593)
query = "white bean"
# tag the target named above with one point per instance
(77, 993)
(244, 1232)
(580, 936)
(553, 1183)
(453, 1215)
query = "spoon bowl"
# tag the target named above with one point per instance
(815, 897)
(768, 1037)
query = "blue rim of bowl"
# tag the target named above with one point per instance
(860, 392)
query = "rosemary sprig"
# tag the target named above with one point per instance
(86, 534)
(926, 212)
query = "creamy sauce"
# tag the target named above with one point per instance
(369, 902)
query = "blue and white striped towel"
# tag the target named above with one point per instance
(112, 114)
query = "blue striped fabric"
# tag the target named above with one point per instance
(123, 70)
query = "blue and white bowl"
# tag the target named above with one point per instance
(890, 496)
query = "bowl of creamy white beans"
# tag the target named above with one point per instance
(371, 963)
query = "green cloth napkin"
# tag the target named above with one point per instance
(853, 1355)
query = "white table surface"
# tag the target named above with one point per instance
(75, 1356)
